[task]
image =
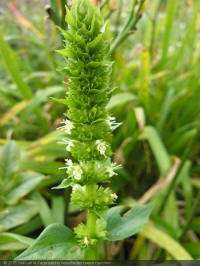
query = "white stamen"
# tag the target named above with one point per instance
(86, 242)
(114, 196)
(68, 162)
(77, 172)
(69, 145)
(110, 171)
(112, 123)
(75, 187)
(101, 147)
(68, 125)
(79, 187)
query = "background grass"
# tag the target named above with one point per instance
(156, 96)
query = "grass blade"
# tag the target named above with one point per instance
(158, 148)
(165, 241)
(10, 61)
(13, 112)
(170, 16)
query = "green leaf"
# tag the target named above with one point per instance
(170, 17)
(140, 116)
(158, 149)
(25, 229)
(120, 227)
(120, 98)
(194, 249)
(58, 210)
(56, 242)
(95, 43)
(28, 182)
(9, 160)
(10, 241)
(10, 61)
(45, 211)
(165, 110)
(64, 184)
(44, 167)
(62, 101)
(18, 215)
(165, 241)
(66, 52)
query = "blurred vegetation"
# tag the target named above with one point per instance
(156, 96)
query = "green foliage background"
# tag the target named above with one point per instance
(156, 96)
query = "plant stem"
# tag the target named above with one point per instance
(154, 23)
(104, 3)
(118, 19)
(130, 25)
(91, 252)
(91, 223)
(63, 4)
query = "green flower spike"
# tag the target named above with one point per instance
(88, 125)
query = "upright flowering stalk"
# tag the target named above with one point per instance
(88, 125)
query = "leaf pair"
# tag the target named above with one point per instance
(57, 242)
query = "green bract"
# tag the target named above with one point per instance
(88, 125)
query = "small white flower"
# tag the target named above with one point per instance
(114, 196)
(68, 142)
(75, 187)
(77, 172)
(110, 171)
(112, 123)
(101, 147)
(69, 145)
(68, 164)
(86, 242)
(79, 187)
(68, 125)
(116, 166)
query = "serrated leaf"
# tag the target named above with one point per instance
(120, 227)
(56, 242)
(10, 241)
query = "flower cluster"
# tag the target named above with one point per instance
(88, 126)
(85, 238)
